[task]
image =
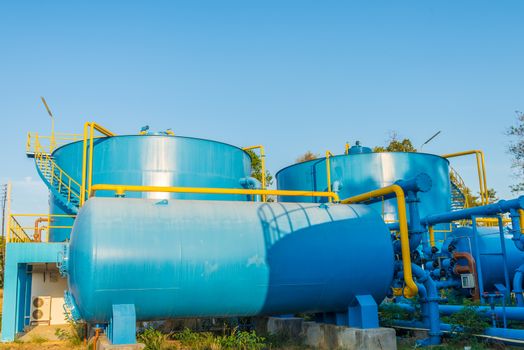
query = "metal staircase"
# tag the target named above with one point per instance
(65, 189)
(458, 198)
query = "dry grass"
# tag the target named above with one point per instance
(50, 345)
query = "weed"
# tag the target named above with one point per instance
(152, 338)
(74, 335)
(38, 339)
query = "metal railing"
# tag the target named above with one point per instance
(23, 228)
(481, 171)
(58, 178)
(37, 143)
(16, 232)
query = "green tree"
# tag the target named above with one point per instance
(306, 156)
(256, 168)
(516, 149)
(396, 145)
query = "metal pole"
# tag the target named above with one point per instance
(477, 258)
(504, 256)
(4, 198)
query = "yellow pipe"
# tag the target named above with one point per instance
(481, 171)
(521, 220)
(346, 149)
(263, 165)
(431, 236)
(328, 171)
(484, 176)
(89, 132)
(48, 215)
(411, 288)
(90, 164)
(84, 164)
(121, 189)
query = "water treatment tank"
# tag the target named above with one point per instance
(362, 171)
(154, 160)
(489, 248)
(206, 258)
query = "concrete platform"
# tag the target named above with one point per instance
(327, 336)
(103, 344)
(42, 332)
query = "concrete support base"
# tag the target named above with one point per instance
(104, 344)
(327, 336)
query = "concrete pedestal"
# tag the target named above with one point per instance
(327, 336)
(104, 344)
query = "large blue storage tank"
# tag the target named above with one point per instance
(363, 172)
(489, 249)
(205, 258)
(154, 160)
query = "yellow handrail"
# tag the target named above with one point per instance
(87, 165)
(411, 288)
(328, 171)
(18, 232)
(36, 143)
(481, 170)
(122, 189)
(48, 168)
(263, 165)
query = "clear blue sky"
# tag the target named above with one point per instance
(292, 75)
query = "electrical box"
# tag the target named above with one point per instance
(468, 281)
(40, 310)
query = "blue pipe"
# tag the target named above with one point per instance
(517, 286)
(502, 206)
(420, 183)
(429, 299)
(250, 183)
(515, 336)
(518, 237)
(513, 313)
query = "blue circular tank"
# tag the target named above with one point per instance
(206, 258)
(154, 160)
(490, 253)
(364, 171)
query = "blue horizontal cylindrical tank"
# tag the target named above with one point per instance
(489, 250)
(154, 160)
(363, 171)
(206, 258)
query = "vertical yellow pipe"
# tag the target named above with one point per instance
(481, 182)
(328, 173)
(90, 165)
(84, 164)
(411, 288)
(431, 236)
(346, 149)
(521, 220)
(484, 176)
(263, 162)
